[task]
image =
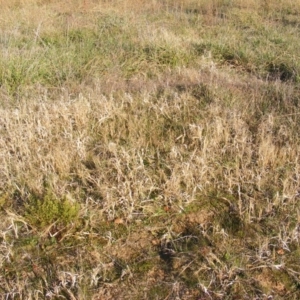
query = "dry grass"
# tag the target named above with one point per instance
(149, 149)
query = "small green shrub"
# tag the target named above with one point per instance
(165, 56)
(44, 211)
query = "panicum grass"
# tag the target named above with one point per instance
(149, 149)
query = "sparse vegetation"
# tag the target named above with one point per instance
(149, 149)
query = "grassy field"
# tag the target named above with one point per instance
(149, 149)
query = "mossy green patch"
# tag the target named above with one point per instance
(43, 211)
